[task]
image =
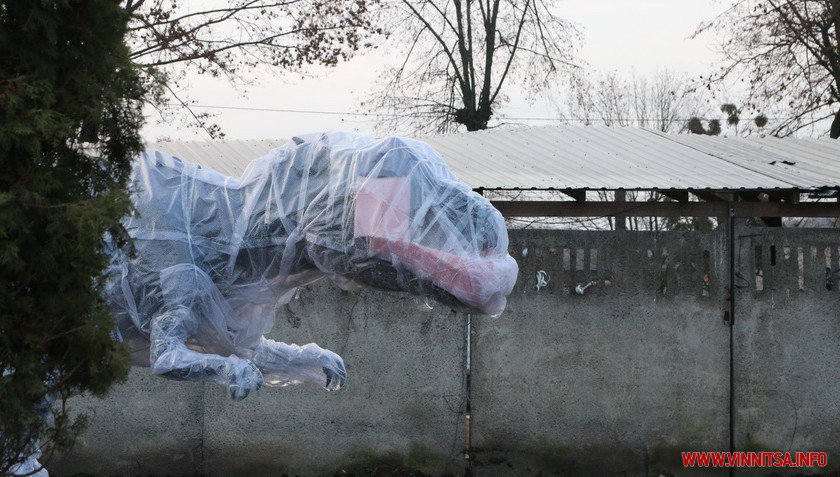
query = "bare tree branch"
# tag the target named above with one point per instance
(664, 101)
(519, 42)
(788, 53)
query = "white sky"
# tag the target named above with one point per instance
(623, 35)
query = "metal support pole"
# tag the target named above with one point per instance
(468, 399)
(731, 323)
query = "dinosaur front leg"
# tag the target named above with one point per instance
(170, 357)
(283, 364)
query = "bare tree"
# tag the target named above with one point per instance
(232, 39)
(460, 55)
(662, 102)
(222, 38)
(788, 54)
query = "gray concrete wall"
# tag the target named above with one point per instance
(404, 397)
(787, 343)
(617, 381)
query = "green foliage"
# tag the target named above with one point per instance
(714, 128)
(732, 114)
(695, 126)
(70, 114)
(733, 119)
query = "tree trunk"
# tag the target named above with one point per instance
(474, 119)
(835, 126)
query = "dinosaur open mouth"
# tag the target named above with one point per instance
(481, 283)
(445, 245)
(470, 285)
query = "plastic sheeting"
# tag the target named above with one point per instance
(30, 467)
(215, 255)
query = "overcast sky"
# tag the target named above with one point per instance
(624, 35)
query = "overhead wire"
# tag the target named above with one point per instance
(367, 114)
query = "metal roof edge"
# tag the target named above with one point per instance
(673, 137)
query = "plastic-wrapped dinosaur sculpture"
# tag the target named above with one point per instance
(214, 256)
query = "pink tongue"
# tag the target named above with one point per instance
(480, 282)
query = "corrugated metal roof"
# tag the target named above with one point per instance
(800, 162)
(591, 157)
(228, 157)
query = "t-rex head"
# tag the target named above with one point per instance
(388, 214)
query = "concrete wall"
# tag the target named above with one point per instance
(617, 381)
(787, 343)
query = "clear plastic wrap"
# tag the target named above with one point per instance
(215, 255)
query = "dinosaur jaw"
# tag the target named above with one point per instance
(470, 285)
(480, 283)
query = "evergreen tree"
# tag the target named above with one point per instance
(69, 126)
